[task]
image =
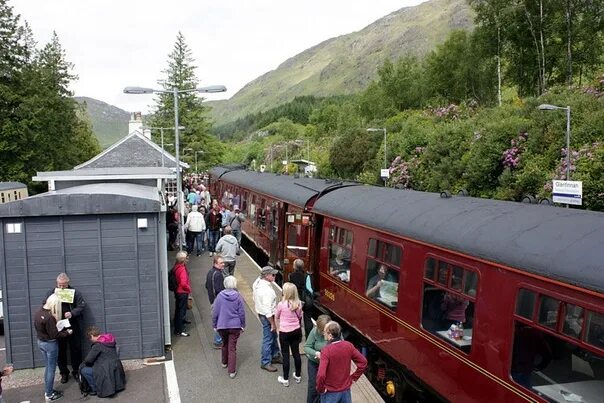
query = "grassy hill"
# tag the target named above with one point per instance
(346, 64)
(109, 123)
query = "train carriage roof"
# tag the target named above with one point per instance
(294, 190)
(560, 243)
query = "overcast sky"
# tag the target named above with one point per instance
(114, 44)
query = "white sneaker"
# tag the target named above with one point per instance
(211, 254)
(298, 379)
(282, 381)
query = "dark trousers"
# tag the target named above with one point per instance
(229, 348)
(72, 345)
(290, 341)
(213, 239)
(193, 237)
(229, 267)
(312, 396)
(180, 310)
(307, 320)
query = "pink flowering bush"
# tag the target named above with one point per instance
(511, 156)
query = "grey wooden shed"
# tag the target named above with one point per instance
(109, 238)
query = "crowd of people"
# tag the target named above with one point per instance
(214, 224)
(283, 322)
(206, 221)
(58, 329)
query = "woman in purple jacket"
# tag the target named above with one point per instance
(228, 317)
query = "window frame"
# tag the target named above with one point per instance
(382, 260)
(333, 238)
(558, 329)
(448, 287)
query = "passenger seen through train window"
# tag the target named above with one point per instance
(339, 265)
(555, 368)
(382, 284)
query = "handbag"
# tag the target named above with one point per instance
(190, 303)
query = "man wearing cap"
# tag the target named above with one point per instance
(237, 218)
(265, 303)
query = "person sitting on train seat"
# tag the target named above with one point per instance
(531, 353)
(454, 308)
(339, 267)
(374, 286)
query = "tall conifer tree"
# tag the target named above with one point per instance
(193, 115)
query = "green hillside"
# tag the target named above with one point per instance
(346, 64)
(109, 123)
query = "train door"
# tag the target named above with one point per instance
(297, 240)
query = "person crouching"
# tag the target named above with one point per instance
(102, 367)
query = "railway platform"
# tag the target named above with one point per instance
(194, 374)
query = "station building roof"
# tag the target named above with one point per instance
(134, 150)
(564, 244)
(98, 198)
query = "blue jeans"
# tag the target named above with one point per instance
(195, 237)
(312, 396)
(237, 234)
(336, 397)
(270, 348)
(50, 353)
(87, 373)
(213, 240)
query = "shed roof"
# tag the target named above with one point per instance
(565, 244)
(107, 173)
(134, 150)
(99, 198)
(291, 189)
(11, 185)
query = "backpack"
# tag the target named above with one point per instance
(172, 280)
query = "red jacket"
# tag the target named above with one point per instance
(182, 276)
(334, 367)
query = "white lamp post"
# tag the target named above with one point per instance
(175, 91)
(381, 129)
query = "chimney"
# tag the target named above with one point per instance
(136, 122)
(147, 133)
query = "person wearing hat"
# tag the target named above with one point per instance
(265, 303)
(237, 219)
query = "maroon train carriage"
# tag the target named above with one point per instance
(277, 209)
(479, 300)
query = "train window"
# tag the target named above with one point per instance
(548, 311)
(430, 268)
(595, 329)
(372, 247)
(332, 233)
(457, 278)
(2, 197)
(382, 283)
(443, 273)
(394, 254)
(573, 321)
(340, 252)
(525, 303)
(556, 369)
(470, 283)
(349, 239)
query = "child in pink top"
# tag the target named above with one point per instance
(289, 316)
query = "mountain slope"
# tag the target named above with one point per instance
(109, 123)
(346, 64)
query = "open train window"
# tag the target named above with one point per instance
(449, 302)
(382, 279)
(340, 252)
(555, 368)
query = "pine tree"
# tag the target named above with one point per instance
(13, 55)
(193, 115)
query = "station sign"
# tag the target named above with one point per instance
(568, 192)
(385, 173)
